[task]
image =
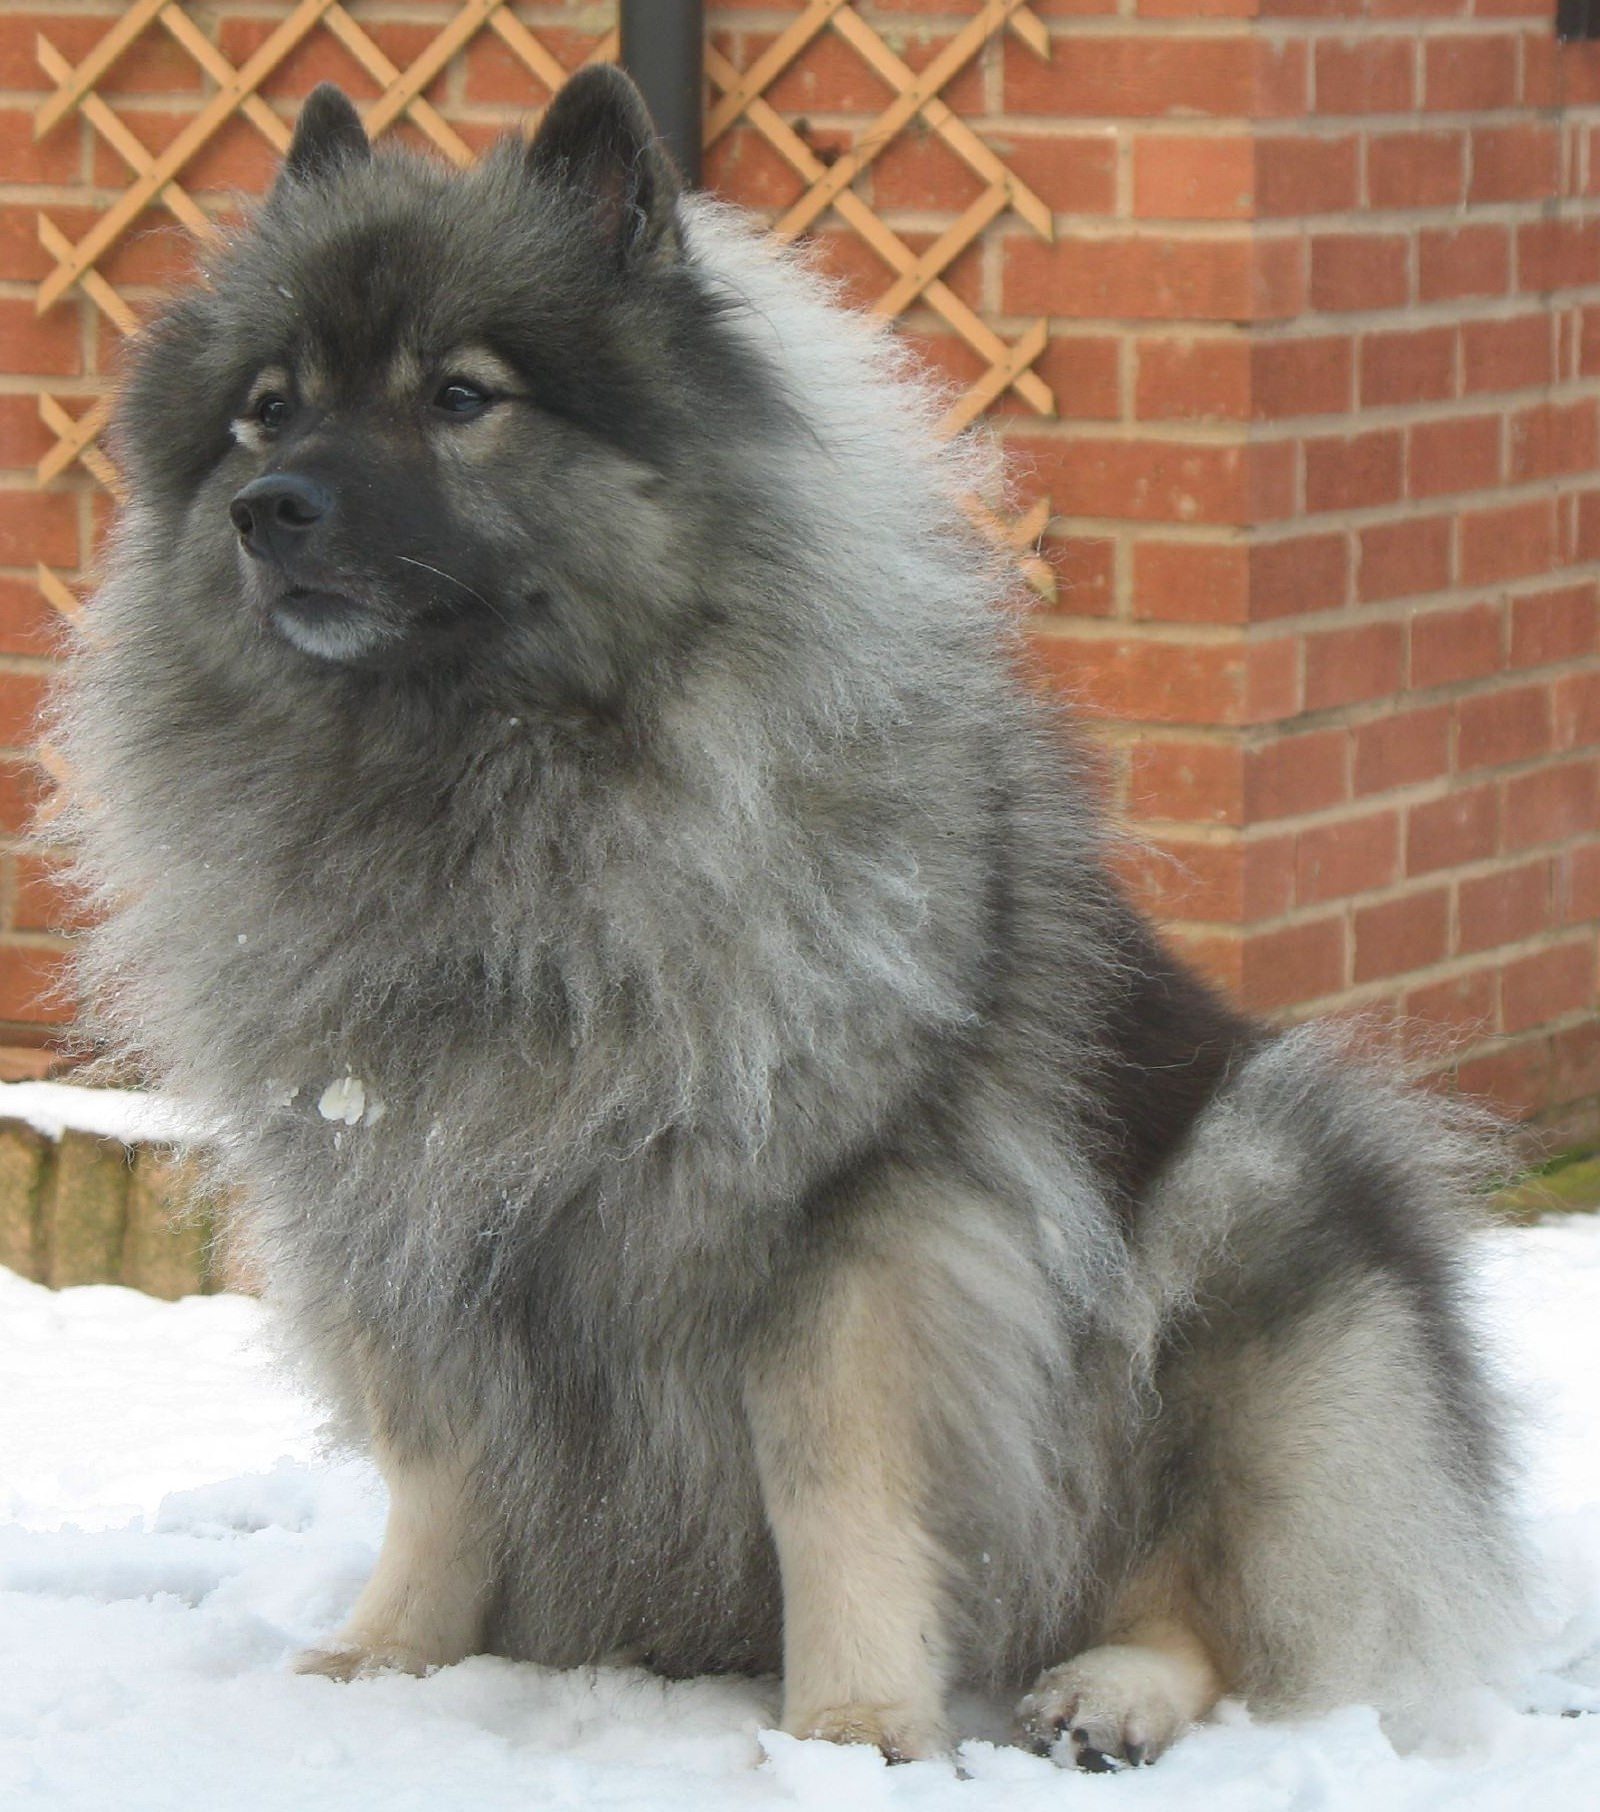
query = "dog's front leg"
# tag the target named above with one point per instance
(424, 1605)
(834, 1416)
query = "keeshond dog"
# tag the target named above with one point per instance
(561, 799)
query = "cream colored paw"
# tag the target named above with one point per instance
(360, 1661)
(1113, 1707)
(900, 1734)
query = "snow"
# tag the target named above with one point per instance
(171, 1532)
(114, 1113)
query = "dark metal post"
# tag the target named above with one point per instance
(663, 50)
(1577, 19)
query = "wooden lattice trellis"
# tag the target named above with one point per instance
(916, 278)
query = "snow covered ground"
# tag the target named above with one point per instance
(171, 1532)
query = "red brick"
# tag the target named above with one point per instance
(1191, 582)
(46, 345)
(1301, 377)
(1071, 172)
(1154, 76)
(1398, 936)
(55, 158)
(1150, 681)
(1503, 908)
(1297, 963)
(1463, 826)
(1507, 543)
(1515, 163)
(1193, 380)
(41, 899)
(1547, 985)
(1578, 883)
(1589, 343)
(320, 57)
(1401, 748)
(1506, 355)
(1366, 75)
(28, 625)
(1558, 625)
(1463, 1007)
(1191, 9)
(1511, 1081)
(1214, 955)
(38, 525)
(951, 359)
(1173, 877)
(1403, 559)
(1153, 278)
(1411, 365)
(1296, 175)
(1458, 453)
(1552, 805)
(1295, 774)
(1084, 372)
(1085, 569)
(1558, 254)
(23, 437)
(1575, 1062)
(1344, 666)
(1191, 779)
(1512, 724)
(23, 788)
(1357, 472)
(1360, 270)
(20, 697)
(1469, 74)
(1149, 481)
(1452, 645)
(1577, 705)
(1301, 574)
(1416, 169)
(1193, 177)
(153, 63)
(1349, 856)
(1554, 438)
(1273, 688)
(34, 984)
(1463, 261)
(741, 163)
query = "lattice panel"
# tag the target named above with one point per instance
(916, 279)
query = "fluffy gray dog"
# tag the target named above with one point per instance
(560, 800)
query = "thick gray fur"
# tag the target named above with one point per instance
(777, 936)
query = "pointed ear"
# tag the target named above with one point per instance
(328, 137)
(597, 141)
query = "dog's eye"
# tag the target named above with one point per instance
(272, 410)
(457, 397)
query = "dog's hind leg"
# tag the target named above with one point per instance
(1136, 1691)
(424, 1605)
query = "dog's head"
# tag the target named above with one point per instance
(419, 417)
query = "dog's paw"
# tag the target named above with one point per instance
(898, 1733)
(1112, 1707)
(359, 1661)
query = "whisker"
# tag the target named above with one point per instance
(450, 578)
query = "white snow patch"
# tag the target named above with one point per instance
(114, 1113)
(171, 1533)
(345, 1099)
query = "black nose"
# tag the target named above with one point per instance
(276, 512)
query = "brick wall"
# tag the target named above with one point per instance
(1331, 478)
(1324, 306)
